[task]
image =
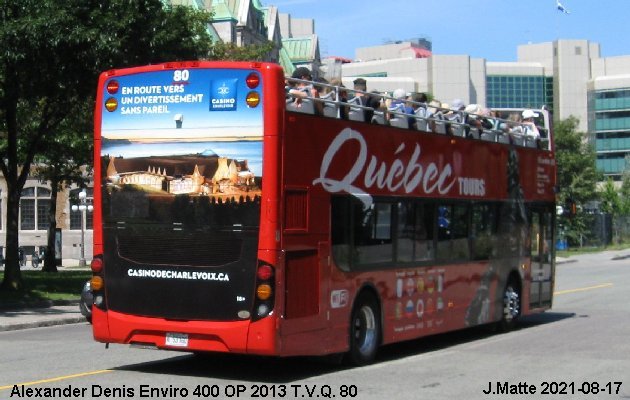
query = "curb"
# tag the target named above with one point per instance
(41, 324)
(21, 305)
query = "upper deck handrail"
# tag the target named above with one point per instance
(426, 118)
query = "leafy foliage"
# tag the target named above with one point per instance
(611, 202)
(577, 174)
(624, 192)
(229, 51)
(52, 53)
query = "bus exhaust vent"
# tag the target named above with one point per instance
(295, 210)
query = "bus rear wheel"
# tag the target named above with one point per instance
(511, 305)
(365, 330)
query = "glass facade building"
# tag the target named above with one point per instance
(513, 91)
(610, 129)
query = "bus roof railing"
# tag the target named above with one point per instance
(500, 125)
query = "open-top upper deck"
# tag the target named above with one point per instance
(507, 126)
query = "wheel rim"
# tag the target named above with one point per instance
(511, 304)
(365, 330)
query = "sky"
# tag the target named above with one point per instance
(490, 29)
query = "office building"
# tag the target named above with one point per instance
(569, 77)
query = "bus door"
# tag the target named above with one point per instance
(542, 258)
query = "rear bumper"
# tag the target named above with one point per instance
(206, 336)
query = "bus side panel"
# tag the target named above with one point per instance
(422, 301)
(273, 121)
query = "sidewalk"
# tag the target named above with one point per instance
(12, 320)
(69, 314)
(65, 312)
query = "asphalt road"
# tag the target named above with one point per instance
(582, 345)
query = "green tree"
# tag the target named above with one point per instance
(577, 174)
(611, 202)
(66, 158)
(229, 51)
(624, 192)
(52, 53)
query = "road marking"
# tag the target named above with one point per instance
(58, 378)
(604, 285)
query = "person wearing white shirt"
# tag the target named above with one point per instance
(529, 125)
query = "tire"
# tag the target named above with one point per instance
(365, 330)
(511, 305)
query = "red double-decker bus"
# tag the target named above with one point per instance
(232, 218)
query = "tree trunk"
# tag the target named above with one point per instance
(50, 264)
(12, 274)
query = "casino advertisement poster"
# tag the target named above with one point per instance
(187, 131)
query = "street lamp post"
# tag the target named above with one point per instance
(83, 207)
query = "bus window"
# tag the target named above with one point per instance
(453, 224)
(483, 227)
(444, 232)
(424, 232)
(405, 231)
(340, 231)
(372, 233)
(461, 245)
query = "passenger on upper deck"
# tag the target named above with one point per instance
(453, 113)
(303, 90)
(399, 104)
(362, 98)
(342, 96)
(418, 99)
(321, 86)
(419, 104)
(361, 85)
(376, 100)
(434, 108)
(479, 117)
(529, 125)
(458, 105)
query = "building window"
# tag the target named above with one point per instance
(76, 217)
(578, 50)
(35, 209)
(519, 91)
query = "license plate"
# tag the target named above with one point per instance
(177, 339)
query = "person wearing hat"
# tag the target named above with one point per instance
(529, 124)
(455, 116)
(399, 105)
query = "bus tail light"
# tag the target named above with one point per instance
(265, 272)
(253, 99)
(113, 86)
(96, 265)
(111, 104)
(264, 298)
(252, 81)
(97, 283)
(263, 292)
